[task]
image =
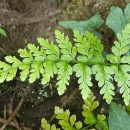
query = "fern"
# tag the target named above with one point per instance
(84, 58)
(90, 118)
(68, 122)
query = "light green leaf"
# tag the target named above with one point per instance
(51, 50)
(2, 32)
(49, 70)
(24, 53)
(101, 123)
(83, 72)
(125, 59)
(66, 121)
(115, 51)
(46, 126)
(41, 41)
(32, 47)
(11, 74)
(89, 117)
(104, 78)
(112, 58)
(123, 80)
(25, 71)
(72, 120)
(12, 59)
(68, 52)
(64, 72)
(36, 69)
(78, 125)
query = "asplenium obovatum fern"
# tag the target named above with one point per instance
(85, 58)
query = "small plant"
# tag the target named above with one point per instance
(118, 19)
(90, 25)
(85, 58)
(68, 122)
(118, 118)
(2, 32)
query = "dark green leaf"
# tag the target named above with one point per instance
(117, 19)
(118, 118)
(82, 26)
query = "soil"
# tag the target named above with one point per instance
(25, 21)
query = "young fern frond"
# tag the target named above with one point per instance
(89, 117)
(68, 121)
(83, 58)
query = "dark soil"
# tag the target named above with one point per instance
(25, 21)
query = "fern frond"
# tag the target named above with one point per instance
(66, 121)
(84, 58)
(90, 118)
(89, 106)
(120, 57)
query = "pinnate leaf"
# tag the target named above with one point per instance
(83, 72)
(64, 72)
(103, 75)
